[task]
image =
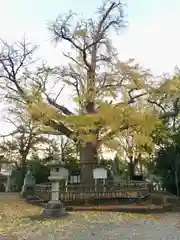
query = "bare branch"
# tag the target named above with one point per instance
(10, 134)
(13, 58)
(87, 35)
(153, 102)
(61, 32)
(132, 99)
(74, 60)
(59, 93)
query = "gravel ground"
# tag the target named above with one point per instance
(106, 226)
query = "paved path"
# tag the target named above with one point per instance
(106, 226)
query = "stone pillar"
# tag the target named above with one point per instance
(54, 207)
(55, 191)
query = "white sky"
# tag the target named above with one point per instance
(153, 36)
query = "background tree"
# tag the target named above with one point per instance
(23, 141)
(132, 151)
(64, 151)
(40, 171)
(69, 155)
(165, 162)
(166, 165)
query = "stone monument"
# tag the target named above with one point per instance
(29, 185)
(55, 207)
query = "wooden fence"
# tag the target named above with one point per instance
(78, 192)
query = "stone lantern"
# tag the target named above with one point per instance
(55, 207)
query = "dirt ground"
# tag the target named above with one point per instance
(19, 220)
(9, 196)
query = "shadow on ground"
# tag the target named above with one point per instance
(41, 217)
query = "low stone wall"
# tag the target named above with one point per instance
(164, 199)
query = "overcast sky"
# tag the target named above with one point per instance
(152, 38)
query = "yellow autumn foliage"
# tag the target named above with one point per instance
(140, 118)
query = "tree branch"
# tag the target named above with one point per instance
(74, 60)
(63, 109)
(173, 113)
(62, 128)
(12, 59)
(153, 102)
(61, 32)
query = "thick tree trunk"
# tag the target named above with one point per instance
(141, 169)
(88, 161)
(132, 165)
(89, 150)
(131, 169)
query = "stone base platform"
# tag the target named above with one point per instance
(54, 209)
(130, 208)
